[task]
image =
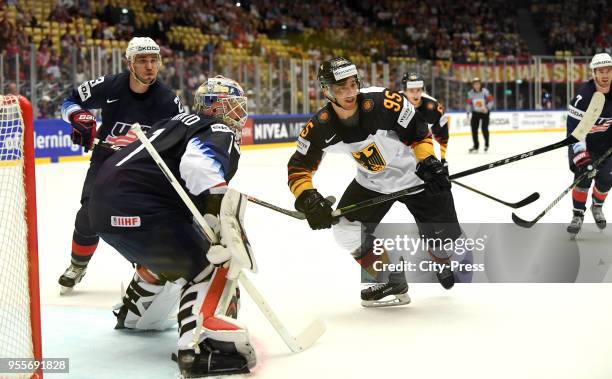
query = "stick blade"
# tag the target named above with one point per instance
(520, 222)
(590, 116)
(309, 336)
(528, 200)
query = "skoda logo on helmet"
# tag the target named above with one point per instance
(147, 48)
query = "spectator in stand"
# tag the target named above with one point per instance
(46, 109)
(11, 89)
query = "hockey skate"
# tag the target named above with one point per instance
(446, 278)
(209, 363)
(378, 295)
(486, 148)
(473, 150)
(575, 225)
(71, 277)
(598, 215)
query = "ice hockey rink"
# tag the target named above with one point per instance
(472, 331)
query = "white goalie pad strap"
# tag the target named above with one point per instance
(228, 336)
(156, 310)
(348, 233)
(233, 234)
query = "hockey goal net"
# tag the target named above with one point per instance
(19, 289)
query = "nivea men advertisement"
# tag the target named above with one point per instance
(273, 128)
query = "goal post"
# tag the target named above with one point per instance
(20, 325)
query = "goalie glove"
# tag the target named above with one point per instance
(83, 128)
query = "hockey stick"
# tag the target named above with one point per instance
(579, 134)
(528, 224)
(309, 335)
(295, 214)
(528, 200)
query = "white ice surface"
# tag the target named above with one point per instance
(473, 331)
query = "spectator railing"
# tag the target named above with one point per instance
(277, 84)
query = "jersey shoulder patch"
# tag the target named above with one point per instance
(86, 89)
(323, 116)
(406, 114)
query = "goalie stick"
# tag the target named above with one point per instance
(528, 224)
(528, 200)
(579, 134)
(309, 335)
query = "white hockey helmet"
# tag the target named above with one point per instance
(141, 45)
(600, 60)
(224, 99)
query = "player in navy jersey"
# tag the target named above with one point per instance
(134, 208)
(391, 144)
(599, 139)
(132, 96)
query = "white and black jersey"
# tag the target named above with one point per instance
(383, 142)
(130, 191)
(121, 107)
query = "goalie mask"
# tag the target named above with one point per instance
(140, 46)
(337, 71)
(223, 99)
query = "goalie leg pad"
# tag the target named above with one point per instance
(233, 234)
(149, 303)
(204, 321)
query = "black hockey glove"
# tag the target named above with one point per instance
(432, 172)
(445, 165)
(83, 128)
(317, 209)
